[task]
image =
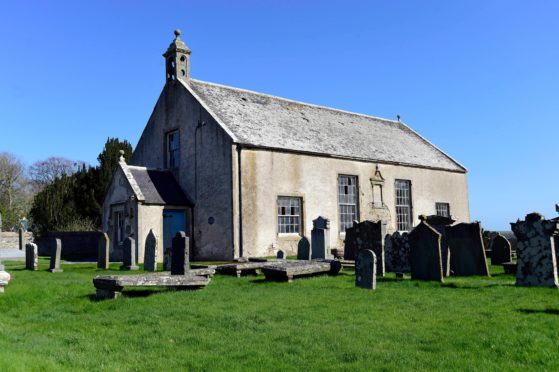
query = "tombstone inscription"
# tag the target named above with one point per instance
(365, 269)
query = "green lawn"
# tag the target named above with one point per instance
(52, 322)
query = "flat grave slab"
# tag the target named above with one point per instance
(207, 272)
(289, 269)
(244, 268)
(111, 286)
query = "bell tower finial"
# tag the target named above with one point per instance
(177, 60)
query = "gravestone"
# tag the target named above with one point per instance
(21, 239)
(320, 238)
(31, 257)
(280, 255)
(467, 253)
(365, 235)
(500, 250)
(180, 264)
(365, 269)
(56, 250)
(4, 279)
(167, 258)
(536, 261)
(441, 224)
(304, 249)
(151, 252)
(103, 252)
(398, 252)
(425, 253)
(129, 255)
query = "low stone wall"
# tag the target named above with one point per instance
(10, 240)
(76, 246)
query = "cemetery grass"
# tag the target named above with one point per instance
(53, 322)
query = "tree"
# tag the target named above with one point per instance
(108, 160)
(15, 191)
(44, 172)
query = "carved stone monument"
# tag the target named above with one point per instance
(21, 238)
(537, 265)
(320, 238)
(4, 280)
(151, 252)
(103, 252)
(366, 235)
(365, 269)
(500, 250)
(425, 253)
(56, 250)
(398, 252)
(31, 257)
(180, 263)
(441, 224)
(129, 255)
(167, 258)
(467, 253)
(304, 249)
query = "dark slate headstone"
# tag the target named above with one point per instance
(180, 264)
(500, 250)
(31, 257)
(467, 253)
(440, 224)
(536, 261)
(280, 255)
(129, 255)
(167, 258)
(56, 250)
(365, 235)
(398, 252)
(365, 269)
(304, 249)
(150, 252)
(425, 253)
(320, 238)
(103, 252)
(21, 238)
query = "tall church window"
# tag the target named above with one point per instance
(403, 205)
(173, 149)
(348, 201)
(443, 209)
(289, 215)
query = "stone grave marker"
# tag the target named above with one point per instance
(441, 224)
(365, 269)
(103, 252)
(56, 250)
(500, 250)
(365, 235)
(320, 238)
(280, 255)
(180, 263)
(398, 252)
(129, 255)
(425, 253)
(536, 261)
(167, 258)
(21, 238)
(304, 249)
(467, 253)
(31, 257)
(151, 252)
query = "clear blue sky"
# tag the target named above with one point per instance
(480, 79)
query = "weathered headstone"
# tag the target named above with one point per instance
(129, 255)
(103, 252)
(4, 280)
(21, 239)
(366, 269)
(467, 253)
(398, 252)
(304, 249)
(151, 252)
(167, 258)
(320, 238)
(365, 235)
(425, 253)
(55, 251)
(441, 224)
(500, 250)
(280, 255)
(537, 265)
(180, 264)
(31, 257)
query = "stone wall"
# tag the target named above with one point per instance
(81, 246)
(10, 240)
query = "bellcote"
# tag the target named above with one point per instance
(177, 60)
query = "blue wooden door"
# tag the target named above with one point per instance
(173, 222)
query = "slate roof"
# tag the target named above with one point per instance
(158, 187)
(262, 120)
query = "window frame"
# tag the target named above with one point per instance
(447, 205)
(299, 216)
(176, 151)
(341, 228)
(409, 205)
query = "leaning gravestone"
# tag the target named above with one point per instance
(441, 224)
(180, 264)
(398, 252)
(365, 235)
(467, 253)
(280, 255)
(151, 252)
(425, 253)
(129, 255)
(537, 265)
(500, 250)
(21, 239)
(103, 252)
(365, 269)
(304, 249)
(320, 238)
(56, 250)
(31, 257)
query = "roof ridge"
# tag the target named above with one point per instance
(295, 101)
(146, 168)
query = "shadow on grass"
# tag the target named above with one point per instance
(539, 311)
(469, 286)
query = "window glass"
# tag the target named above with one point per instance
(403, 205)
(173, 149)
(443, 209)
(289, 215)
(348, 201)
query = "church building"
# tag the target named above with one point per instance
(245, 173)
